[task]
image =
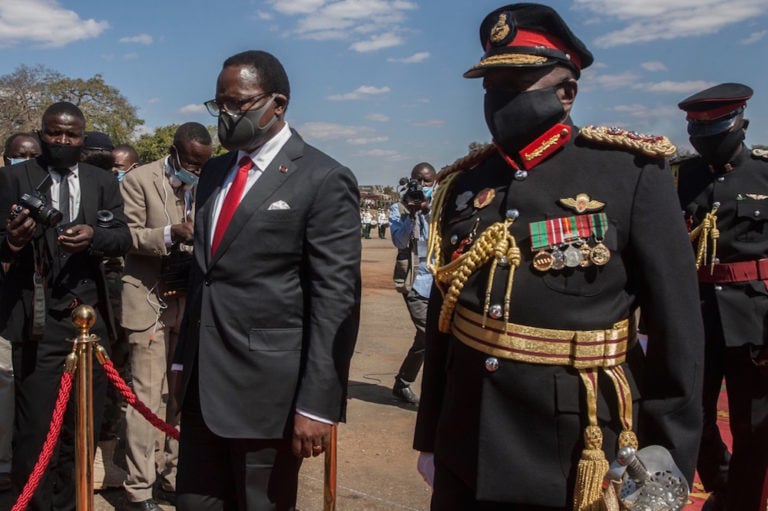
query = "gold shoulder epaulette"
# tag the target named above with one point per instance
(466, 162)
(649, 145)
(761, 154)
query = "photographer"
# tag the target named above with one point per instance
(409, 227)
(65, 217)
(159, 204)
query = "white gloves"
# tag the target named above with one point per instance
(426, 467)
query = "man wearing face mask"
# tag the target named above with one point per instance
(20, 147)
(409, 221)
(274, 298)
(543, 244)
(159, 204)
(724, 193)
(126, 159)
(49, 271)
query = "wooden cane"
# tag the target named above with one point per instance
(329, 481)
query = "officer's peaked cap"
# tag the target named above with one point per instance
(528, 35)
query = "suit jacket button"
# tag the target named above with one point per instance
(718, 288)
(207, 282)
(491, 364)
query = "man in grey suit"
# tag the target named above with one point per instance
(159, 202)
(273, 306)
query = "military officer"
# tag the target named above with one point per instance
(724, 192)
(543, 245)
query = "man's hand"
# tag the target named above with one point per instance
(76, 238)
(414, 207)
(310, 437)
(20, 230)
(182, 232)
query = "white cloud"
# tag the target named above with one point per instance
(754, 37)
(361, 92)
(385, 154)
(366, 140)
(377, 117)
(45, 23)
(654, 66)
(297, 6)
(591, 79)
(652, 20)
(144, 39)
(638, 111)
(192, 108)
(377, 42)
(675, 87)
(264, 15)
(322, 20)
(431, 123)
(413, 59)
(152, 101)
(352, 135)
(131, 56)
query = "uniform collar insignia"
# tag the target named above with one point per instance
(756, 196)
(549, 142)
(582, 203)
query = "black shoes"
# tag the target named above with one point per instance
(144, 505)
(405, 394)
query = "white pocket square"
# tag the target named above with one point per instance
(279, 205)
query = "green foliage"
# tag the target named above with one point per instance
(28, 91)
(155, 145)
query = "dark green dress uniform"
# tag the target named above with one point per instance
(512, 431)
(734, 299)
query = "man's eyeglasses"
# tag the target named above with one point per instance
(232, 107)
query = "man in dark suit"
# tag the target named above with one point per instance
(724, 193)
(545, 244)
(50, 270)
(273, 305)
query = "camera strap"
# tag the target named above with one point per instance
(38, 295)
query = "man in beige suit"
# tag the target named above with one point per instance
(159, 201)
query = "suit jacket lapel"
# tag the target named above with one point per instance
(89, 196)
(283, 166)
(205, 197)
(36, 176)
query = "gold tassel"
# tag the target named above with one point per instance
(592, 467)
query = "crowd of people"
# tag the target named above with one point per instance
(228, 294)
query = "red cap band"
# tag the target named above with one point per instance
(714, 113)
(536, 38)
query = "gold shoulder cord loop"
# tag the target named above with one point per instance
(592, 465)
(705, 231)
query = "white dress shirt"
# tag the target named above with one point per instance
(261, 158)
(73, 181)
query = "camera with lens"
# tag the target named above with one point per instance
(411, 190)
(39, 209)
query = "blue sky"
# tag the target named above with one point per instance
(377, 83)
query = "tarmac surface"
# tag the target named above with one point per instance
(376, 463)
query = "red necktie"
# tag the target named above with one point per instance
(231, 201)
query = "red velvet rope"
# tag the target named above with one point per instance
(50, 442)
(132, 400)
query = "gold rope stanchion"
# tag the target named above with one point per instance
(84, 317)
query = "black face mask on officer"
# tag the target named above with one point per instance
(718, 149)
(515, 119)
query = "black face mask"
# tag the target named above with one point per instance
(515, 119)
(717, 150)
(60, 156)
(243, 131)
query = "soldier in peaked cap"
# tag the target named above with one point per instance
(724, 193)
(543, 245)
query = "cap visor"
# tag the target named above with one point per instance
(507, 60)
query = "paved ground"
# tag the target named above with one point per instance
(376, 465)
